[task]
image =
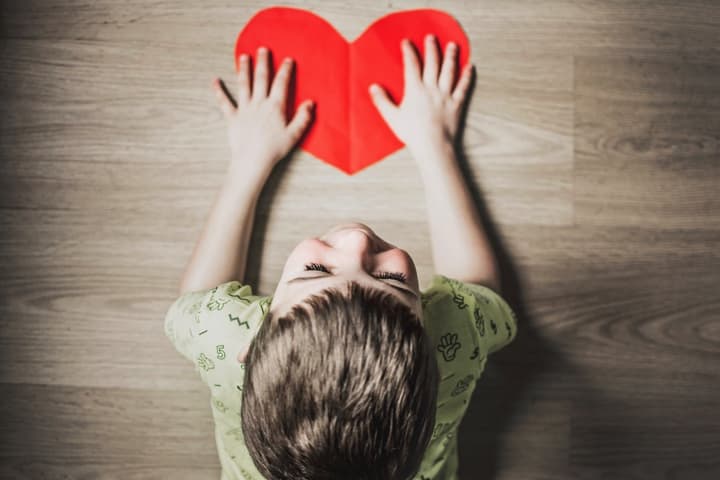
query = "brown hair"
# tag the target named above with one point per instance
(341, 387)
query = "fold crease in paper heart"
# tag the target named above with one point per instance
(347, 131)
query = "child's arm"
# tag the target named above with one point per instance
(427, 122)
(221, 251)
(460, 246)
(259, 138)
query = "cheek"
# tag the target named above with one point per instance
(401, 260)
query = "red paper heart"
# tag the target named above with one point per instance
(347, 130)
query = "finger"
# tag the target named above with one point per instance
(260, 82)
(300, 121)
(430, 70)
(225, 104)
(383, 103)
(463, 84)
(410, 62)
(447, 73)
(243, 94)
(280, 83)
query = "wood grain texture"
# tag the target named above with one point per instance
(592, 147)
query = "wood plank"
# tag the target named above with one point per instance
(667, 426)
(106, 433)
(647, 145)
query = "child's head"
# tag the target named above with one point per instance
(343, 382)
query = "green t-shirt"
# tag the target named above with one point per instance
(465, 322)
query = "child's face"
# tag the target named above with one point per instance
(349, 252)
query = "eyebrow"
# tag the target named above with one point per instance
(408, 293)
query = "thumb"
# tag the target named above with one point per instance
(300, 121)
(382, 102)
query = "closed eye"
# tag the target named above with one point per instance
(399, 276)
(405, 291)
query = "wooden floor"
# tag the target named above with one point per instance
(592, 142)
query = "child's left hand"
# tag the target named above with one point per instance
(257, 131)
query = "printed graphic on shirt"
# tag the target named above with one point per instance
(449, 345)
(244, 323)
(216, 304)
(443, 428)
(220, 405)
(205, 363)
(459, 300)
(462, 385)
(479, 321)
(235, 433)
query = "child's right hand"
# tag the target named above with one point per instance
(429, 113)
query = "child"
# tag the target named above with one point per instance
(350, 372)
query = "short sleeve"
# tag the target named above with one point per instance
(181, 318)
(209, 325)
(492, 317)
(465, 323)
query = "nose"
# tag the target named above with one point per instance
(357, 240)
(358, 244)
